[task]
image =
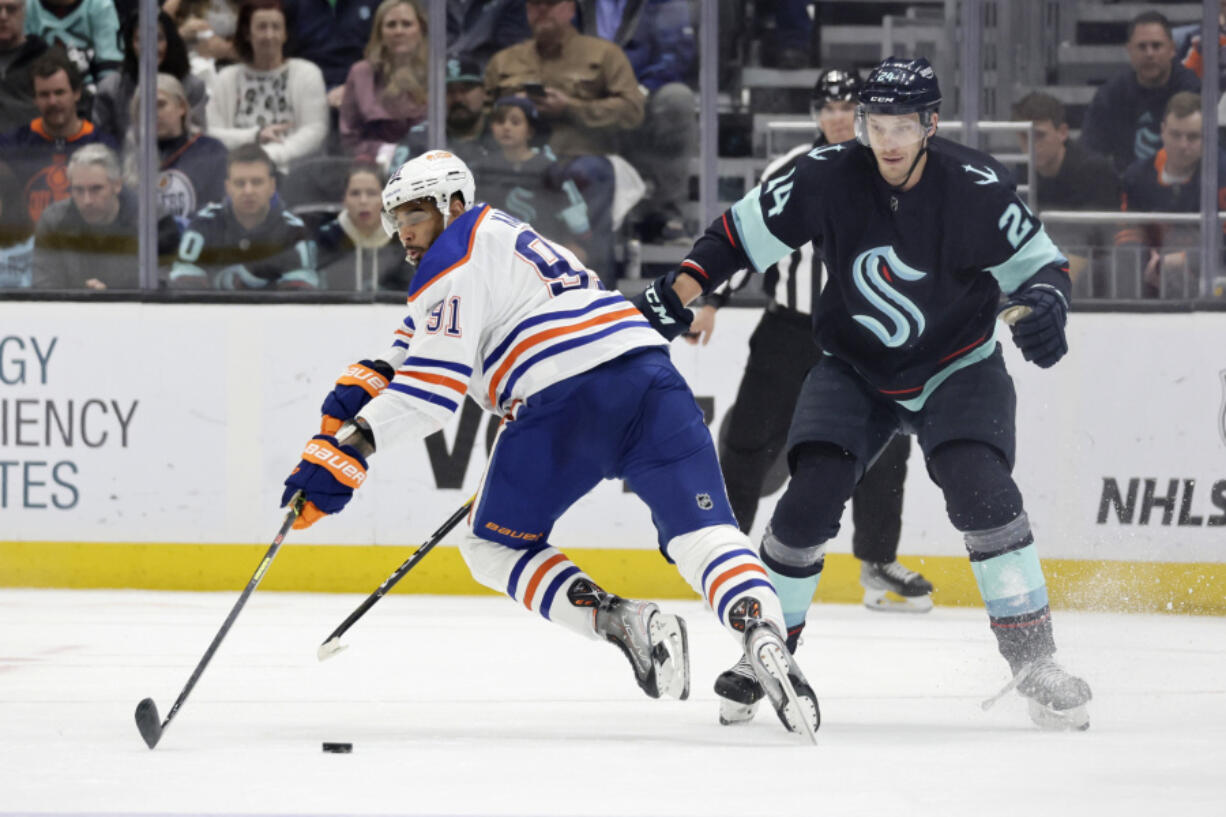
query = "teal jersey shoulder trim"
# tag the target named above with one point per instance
(758, 241)
(1031, 257)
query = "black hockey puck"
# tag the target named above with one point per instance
(338, 748)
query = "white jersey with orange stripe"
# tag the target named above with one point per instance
(499, 312)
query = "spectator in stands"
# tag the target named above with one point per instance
(16, 235)
(39, 151)
(477, 29)
(188, 176)
(86, 30)
(385, 93)
(250, 241)
(1069, 178)
(1125, 115)
(332, 34)
(1194, 59)
(89, 241)
(113, 101)
(518, 177)
(356, 254)
(1169, 183)
(207, 28)
(268, 99)
(657, 37)
(467, 131)
(585, 89)
(18, 50)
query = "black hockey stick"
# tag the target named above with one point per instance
(332, 644)
(151, 728)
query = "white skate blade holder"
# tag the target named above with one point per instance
(777, 665)
(887, 601)
(667, 633)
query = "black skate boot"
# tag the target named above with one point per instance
(739, 693)
(891, 587)
(655, 643)
(1056, 698)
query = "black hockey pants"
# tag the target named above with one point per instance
(781, 352)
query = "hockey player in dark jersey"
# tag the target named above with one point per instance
(920, 237)
(781, 353)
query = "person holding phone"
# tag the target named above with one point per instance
(586, 92)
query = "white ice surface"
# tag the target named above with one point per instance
(472, 706)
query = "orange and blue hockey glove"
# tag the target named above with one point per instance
(327, 476)
(355, 388)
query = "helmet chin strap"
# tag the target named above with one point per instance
(898, 188)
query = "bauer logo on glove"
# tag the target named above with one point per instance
(361, 382)
(368, 379)
(327, 476)
(344, 469)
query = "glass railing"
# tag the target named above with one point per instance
(273, 126)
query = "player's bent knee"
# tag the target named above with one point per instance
(808, 513)
(980, 493)
(489, 562)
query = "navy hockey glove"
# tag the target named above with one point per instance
(360, 382)
(663, 309)
(327, 476)
(1040, 334)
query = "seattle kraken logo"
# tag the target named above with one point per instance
(873, 272)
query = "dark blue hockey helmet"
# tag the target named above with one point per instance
(901, 86)
(898, 87)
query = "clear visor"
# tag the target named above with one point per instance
(883, 131)
(403, 217)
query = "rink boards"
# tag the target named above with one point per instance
(144, 445)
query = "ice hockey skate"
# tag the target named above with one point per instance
(739, 693)
(654, 642)
(781, 680)
(766, 669)
(891, 587)
(1056, 698)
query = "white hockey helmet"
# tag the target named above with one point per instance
(436, 175)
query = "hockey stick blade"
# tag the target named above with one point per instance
(330, 648)
(151, 729)
(148, 722)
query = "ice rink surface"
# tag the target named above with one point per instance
(472, 706)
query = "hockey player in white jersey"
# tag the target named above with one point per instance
(587, 392)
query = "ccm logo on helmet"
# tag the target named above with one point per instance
(438, 154)
(336, 462)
